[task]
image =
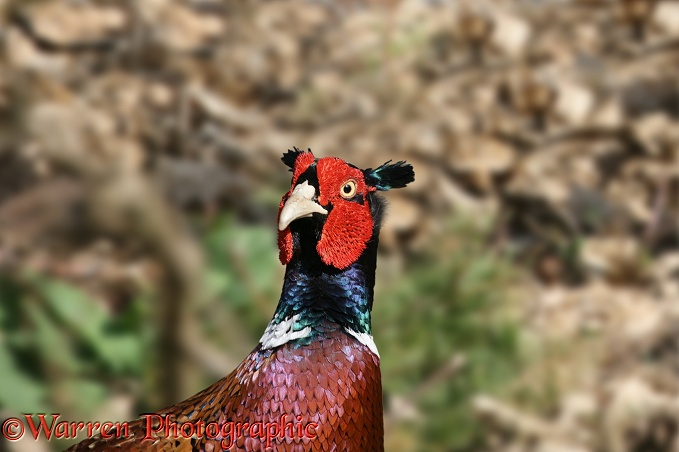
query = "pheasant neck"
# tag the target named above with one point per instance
(318, 299)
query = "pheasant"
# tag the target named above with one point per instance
(313, 381)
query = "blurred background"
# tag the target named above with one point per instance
(528, 282)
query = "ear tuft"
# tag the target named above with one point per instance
(390, 175)
(290, 157)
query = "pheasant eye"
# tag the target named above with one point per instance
(348, 190)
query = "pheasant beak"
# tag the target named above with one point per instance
(300, 204)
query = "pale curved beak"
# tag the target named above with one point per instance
(300, 204)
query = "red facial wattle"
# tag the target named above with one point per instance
(303, 162)
(349, 225)
(285, 245)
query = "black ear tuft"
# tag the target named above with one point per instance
(390, 175)
(290, 157)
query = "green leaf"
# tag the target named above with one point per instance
(73, 307)
(54, 345)
(18, 392)
(120, 350)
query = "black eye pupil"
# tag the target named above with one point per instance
(347, 189)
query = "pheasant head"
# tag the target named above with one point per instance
(332, 210)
